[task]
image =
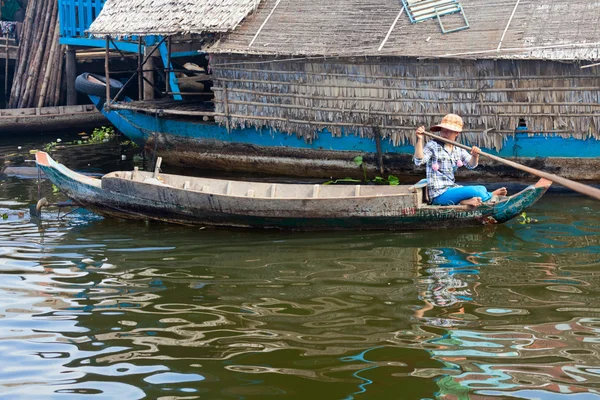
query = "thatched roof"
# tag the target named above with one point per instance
(170, 17)
(529, 29)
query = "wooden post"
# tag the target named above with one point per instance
(6, 72)
(107, 71)
(377, 135)
(71, 75)
(149, 78)
(168, 66)
(50, 66)
(140, 75)
(157, 166)
(226, 107)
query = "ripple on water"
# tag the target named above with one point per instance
(132, 310)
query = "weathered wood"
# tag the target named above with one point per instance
(149, 78)
(71, 75)
(377, 134)
(168, 66)
(107, 68)
(23, 53)
(48, 69)
(51, 36)
(140, 70)
(190, 200)
(6, 71)
(49, 119)
(54, 77)
(34, 67)
(59, 75)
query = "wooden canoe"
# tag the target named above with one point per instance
(216, 202)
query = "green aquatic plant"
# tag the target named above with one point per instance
(390, 180)
(48, 147)
(102, 134)
(524, 219)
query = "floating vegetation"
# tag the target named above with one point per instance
(390, 180)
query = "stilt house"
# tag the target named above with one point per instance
(365, 67)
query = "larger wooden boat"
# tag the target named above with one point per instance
(50, 119)
(217, 202)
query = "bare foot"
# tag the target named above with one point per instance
(500, 192)
(474, 201)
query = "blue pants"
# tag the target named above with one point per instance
(455, 195)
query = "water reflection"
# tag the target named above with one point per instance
(492, 343)
(121, 308)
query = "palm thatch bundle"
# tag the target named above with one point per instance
(541, 29)
(168, 17)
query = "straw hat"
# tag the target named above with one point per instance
(451, 122)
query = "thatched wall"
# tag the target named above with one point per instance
(396, 95)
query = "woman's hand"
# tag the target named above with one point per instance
(419, 144)
(475, 151)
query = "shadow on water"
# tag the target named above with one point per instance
(129, 309)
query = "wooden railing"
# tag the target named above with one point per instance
(76, 16)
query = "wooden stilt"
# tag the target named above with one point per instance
(6, 72)
(140, 68)
(149, 78)
(168, 66)
(107, 71)
(71, 75)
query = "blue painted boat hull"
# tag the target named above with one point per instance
(190, 142)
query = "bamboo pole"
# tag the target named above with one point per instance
(61, 94)
(34, 56)
(401, 100)
(416, 78)
(107, 70)
(59, 76)
(35, 66)
(48, 69)
(417, 89)
(263, 24)
(402, 114)
(23, 52)
(54, 78)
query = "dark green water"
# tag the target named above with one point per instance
(95, 308)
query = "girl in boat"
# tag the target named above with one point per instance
(443, 159)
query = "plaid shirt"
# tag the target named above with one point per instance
(441, 165)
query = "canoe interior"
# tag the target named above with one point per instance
(269, 190)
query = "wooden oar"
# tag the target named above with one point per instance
(576, 186)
